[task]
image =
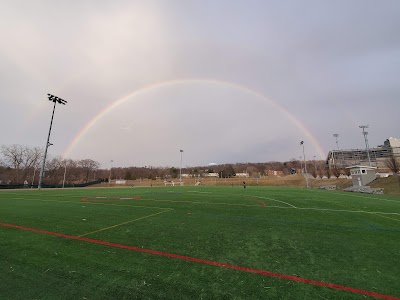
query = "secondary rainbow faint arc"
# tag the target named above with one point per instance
(173, 82)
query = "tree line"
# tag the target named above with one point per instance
(20, 163)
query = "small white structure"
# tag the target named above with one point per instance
(242, 175)
(211, 175)
(362, 175)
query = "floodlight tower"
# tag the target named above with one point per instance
(335, 135)
(365, 133)
(56, 100)
(180, 169)
(305, 165)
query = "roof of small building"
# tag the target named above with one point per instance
(360, 166)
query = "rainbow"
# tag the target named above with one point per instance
(157, 85)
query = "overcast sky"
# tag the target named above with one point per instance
(226, 81)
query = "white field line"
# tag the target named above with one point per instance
(124, 223)
(367, 197)
(387, 217)
(276, 201)
(337, 210)
(92, 203)
(199, 192)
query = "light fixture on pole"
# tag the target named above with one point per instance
(305, 165)
(56, 100)
(365, 133)
(180, 169)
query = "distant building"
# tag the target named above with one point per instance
(274, 173)
(211, 175)
(378, 155)
(242, 175)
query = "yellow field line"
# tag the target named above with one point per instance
(131, 221)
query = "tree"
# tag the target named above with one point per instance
(228, 172)
(88, 165)
(335, 171)
(394, 165)
(128, 175)
(174, 172)
(22, 159)
(328, 172)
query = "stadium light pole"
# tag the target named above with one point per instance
(305, 165)
(365, 133)
(180, 169)
(335, 135)
(56, 100)
(301, 164)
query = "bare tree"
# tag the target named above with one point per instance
(328, 172)
(335, 171)
(394, 165)
(21, 159)
(88, 165)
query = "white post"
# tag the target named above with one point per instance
(305, 164)
(65, 173)
(180, 169)
(109, 178)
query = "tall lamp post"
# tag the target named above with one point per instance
(56, 100)
(365, 133)
(180, 169)
(305, 165)
(301, 164)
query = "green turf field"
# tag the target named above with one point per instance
(198, 243)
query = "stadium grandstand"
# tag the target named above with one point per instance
(378, 156)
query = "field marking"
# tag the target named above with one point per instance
(387, 217)
(222, 195)
(275, 200)
(208, 262)
(360, 196)
(200, 202)
(131, 221)
(91, 203)
(337, 210)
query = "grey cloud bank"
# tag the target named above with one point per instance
(333, 65)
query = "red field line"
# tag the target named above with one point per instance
(208, 262)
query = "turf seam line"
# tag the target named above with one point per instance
(208, 262)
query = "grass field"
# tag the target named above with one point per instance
(198, 243)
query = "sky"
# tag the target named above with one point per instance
(226, 81)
